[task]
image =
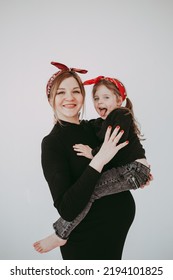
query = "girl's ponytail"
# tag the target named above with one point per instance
(129, 106)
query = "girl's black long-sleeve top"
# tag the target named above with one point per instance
(70, 178)
(134, 150)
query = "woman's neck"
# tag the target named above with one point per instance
(71, 120)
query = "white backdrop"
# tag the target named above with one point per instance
(129, 39)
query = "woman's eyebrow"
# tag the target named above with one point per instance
(64, 88)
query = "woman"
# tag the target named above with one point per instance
(72, 178)
(130, 169)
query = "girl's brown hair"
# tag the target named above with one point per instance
(128, 106)
(55, 85)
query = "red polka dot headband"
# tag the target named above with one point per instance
(62, 68)
(116, 82)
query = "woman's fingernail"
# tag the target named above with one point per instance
(117, 127)
(122, 131)
(127, 142)
(109, 126)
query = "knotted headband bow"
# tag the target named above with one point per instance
(62, 68)
(116, 82)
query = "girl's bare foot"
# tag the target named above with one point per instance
(49, 243)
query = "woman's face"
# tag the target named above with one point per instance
(105, 101)
(68, 100)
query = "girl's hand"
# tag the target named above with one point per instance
(149, 180)
(83, 150)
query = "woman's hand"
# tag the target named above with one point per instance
(109, 148)
(83, 150)
(110, 145)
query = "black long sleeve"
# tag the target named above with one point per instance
(70, 178)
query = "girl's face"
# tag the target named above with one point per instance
(69, 100)
(105, 101)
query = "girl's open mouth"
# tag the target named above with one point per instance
(102, 112)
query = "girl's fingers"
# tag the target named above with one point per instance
(80, 154)
(76, 149)
(77, 146)
(79, 150)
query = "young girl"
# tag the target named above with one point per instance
(127, 170)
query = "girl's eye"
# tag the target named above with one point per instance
(96, 99)
(106, 97)
(76, 91)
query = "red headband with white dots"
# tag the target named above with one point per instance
(62, 68)
(116, 82)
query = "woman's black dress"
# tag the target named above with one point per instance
(102, 233)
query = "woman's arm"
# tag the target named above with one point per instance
(69, 197)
